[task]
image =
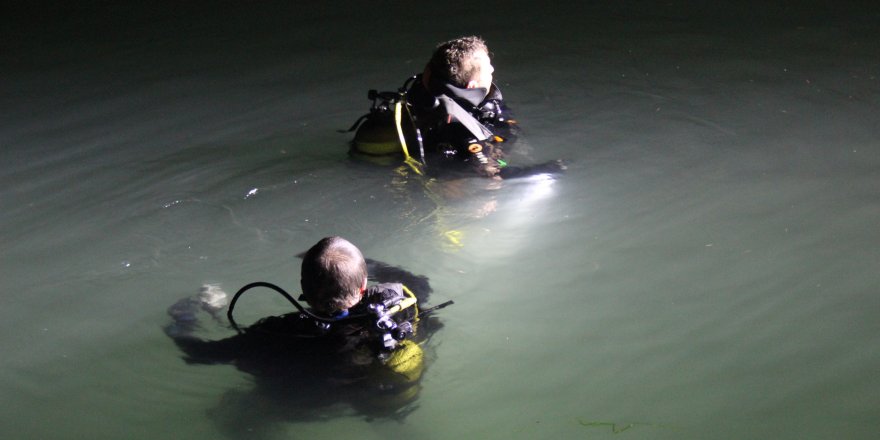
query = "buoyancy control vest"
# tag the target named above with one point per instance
(453, 123)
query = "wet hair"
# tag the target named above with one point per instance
(333, 273)
(452, 61)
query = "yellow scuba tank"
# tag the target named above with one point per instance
(387, 129)
(377, 136)
(378, 133)
(408, 361)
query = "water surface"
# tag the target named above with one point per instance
(707, 267)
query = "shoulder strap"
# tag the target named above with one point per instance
(464, 117)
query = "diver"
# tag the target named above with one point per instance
(455, 116)
(355, 344)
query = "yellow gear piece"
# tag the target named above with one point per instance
(408, 360)
(377, 148)
(454, 237)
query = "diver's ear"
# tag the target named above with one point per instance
(364, 286)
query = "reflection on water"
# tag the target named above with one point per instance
(706, 268)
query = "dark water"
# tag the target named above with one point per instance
(707, 268)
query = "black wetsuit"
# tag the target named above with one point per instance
(311, 365)
(462, 126)
(468, 127)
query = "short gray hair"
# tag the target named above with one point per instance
(333, 273)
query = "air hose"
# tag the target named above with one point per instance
(284, 294)
(304, 311)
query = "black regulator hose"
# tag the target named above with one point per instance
(425, 312)
(277, 289)
(301, 308)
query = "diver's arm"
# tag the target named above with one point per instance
(181, 330)
(551, 167)
(199, 351)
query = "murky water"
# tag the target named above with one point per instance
(707, 268)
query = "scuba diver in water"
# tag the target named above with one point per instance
(355, 344)
(455, 117)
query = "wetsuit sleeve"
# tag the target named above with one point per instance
(184, 316)
(199, 351)
(551, 167)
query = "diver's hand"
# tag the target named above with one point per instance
(554, 166)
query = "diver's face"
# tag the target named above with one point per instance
(484, 75)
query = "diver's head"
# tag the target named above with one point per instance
(463, 62)
(334, 275)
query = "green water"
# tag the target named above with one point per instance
(707, 267)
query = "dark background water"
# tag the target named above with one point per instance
(707, 268)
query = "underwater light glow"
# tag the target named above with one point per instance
(537, 187)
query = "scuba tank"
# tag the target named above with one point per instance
(376, 133)
(389, 128)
